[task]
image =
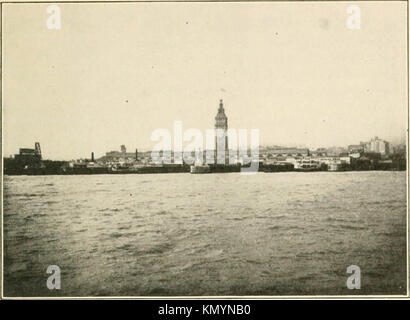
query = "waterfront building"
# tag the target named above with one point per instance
(345, 159)
(27, 156)
(328, 159)
(288, 152)
(355, 155)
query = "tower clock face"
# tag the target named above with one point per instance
(221, 120)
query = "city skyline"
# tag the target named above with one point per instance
(125, 149)
(310, 83)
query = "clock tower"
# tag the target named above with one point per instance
(221, 137)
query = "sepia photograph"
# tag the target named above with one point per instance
(204, 149)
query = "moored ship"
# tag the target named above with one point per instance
(338, 166)
(307, 165)
(199, 167)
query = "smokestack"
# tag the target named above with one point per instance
(136, 154)
(92, 156)
(37, 149)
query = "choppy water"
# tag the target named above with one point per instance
(216, 234)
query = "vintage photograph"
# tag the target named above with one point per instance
(198, 149)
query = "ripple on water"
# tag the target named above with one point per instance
(221, 241)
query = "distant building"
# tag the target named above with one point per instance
(119, 156)
(399, 149)
(319, 152)
(336, 151)
(356, 148)
(377, 145)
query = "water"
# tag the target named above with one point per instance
(217, 234)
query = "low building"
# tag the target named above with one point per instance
(327, 159)
(27, 156)
(319, 152)
(356, 148)
(335, 151)
(288, 152)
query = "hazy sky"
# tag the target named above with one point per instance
(116, 72)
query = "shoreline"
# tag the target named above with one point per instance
(170, 172)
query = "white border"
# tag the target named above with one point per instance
(284, 297)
